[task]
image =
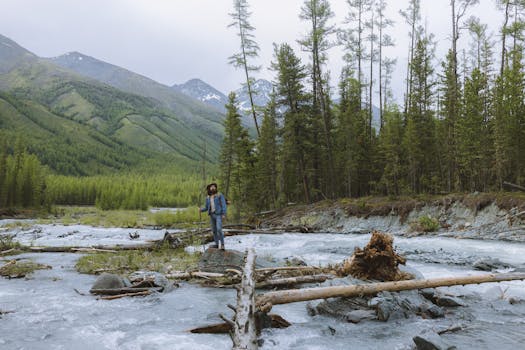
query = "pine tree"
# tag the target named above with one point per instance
(232, 132)
(470, 133)
(266, 166)
(317, 42)
(420, 129)
(249, 49)
(391, 153)
(296, 133)
(509, 135)
(353, 141)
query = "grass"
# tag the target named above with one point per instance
(163, 260)
(17, 269)
(7, 243)
(92, 216)
(425, 224)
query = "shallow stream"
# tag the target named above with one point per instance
(49, 314)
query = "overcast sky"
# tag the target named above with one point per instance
(172, 41)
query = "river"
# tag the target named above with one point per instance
(49, 314)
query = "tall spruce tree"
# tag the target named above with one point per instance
(297, 125)
(249, 49)
(317, 42)
(419, 135)
(267, 157)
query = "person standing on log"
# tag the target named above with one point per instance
(216, 207)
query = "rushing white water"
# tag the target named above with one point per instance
(49, 314)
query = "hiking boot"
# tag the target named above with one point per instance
(222, 247)
(214, 246)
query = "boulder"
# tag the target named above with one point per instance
(110, 281)
(217, 260)
(402, 305)
(352, 310)
(145, 279)
(430, 340)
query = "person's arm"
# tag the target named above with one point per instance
(206, 205)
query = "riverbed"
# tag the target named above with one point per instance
(49, 314)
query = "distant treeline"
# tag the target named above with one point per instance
(460, 127)
(26, 183)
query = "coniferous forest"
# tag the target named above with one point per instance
(459, 128)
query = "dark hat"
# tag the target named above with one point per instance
(212, 184)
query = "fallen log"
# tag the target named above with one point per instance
(197, 274)
(267, 300)
(225, 327)
(4, 252)
(514, 186)
(292, 281)
(118, 296)
(117, 291)
(244, 334)
(288, 268)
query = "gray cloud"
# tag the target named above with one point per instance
(172, 41)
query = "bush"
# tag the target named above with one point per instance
(426, 224)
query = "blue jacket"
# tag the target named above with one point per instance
(220, 205)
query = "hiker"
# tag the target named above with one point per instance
(216, 208)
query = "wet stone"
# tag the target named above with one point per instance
(431, 341)
(145, 279)
(110, 281)
(217, 260)
(489, 264)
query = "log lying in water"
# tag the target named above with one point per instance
(244, 334)
(267, 300)
(292, 281)
(125, 290)
(118, 296)
(225, 327)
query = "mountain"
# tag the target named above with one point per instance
(262, 90)
(79, 125)
(197, 113)
(203, 92)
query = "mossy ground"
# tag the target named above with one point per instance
(20, 269)
(162, 260)
(8, 246)
(87, 215)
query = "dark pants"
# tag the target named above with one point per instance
(216, 228)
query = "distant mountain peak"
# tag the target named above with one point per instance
(204, 92)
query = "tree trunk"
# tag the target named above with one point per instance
(291, 281)
(244, 331)
(267, 300)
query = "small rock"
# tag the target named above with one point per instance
(109, 281)
(515, 300)
(173, 241)
(357, 316)
(295, 261)
(489, 264)
(443, 300)
(431, 341)
(150, 279)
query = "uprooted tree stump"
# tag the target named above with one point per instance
(376, 261)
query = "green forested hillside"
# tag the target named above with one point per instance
(79, 126)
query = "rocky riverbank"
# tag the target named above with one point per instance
(474, 216)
